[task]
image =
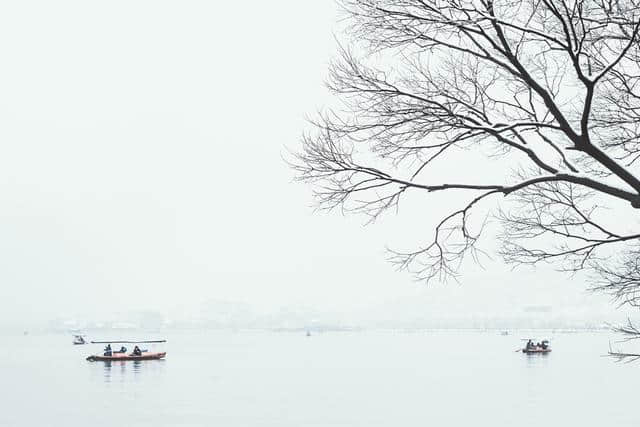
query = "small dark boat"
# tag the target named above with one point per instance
(536, 350)
(121, 356)
(541, 347)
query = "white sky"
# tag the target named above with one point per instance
(141, 168)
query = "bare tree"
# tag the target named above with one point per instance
(547, 90)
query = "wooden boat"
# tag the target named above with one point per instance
(541, 348)
(123, 357)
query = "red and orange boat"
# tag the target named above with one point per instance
(124, 356)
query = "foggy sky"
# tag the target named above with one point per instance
(141, 168)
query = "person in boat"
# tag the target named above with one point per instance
(107, 350)
(137, 351)
(123, 349)
(544, 344)
(530, 345)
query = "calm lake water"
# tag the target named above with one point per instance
(331, 379)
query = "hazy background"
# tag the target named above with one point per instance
(141, 169)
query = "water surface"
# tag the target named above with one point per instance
(331, 379)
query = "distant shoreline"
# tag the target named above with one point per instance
(300, 330)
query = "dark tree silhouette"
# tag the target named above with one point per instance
(548, 90)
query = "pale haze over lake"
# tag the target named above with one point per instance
(143, 170)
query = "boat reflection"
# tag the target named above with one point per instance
(535, 361)
(125, 371)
